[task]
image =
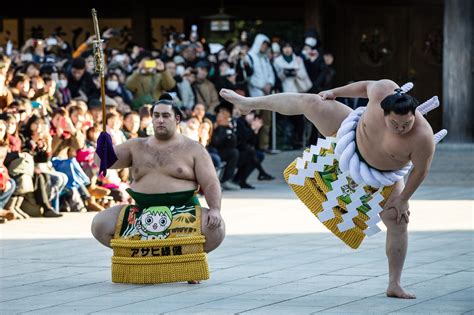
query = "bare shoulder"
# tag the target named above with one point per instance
(378, 90)
(135, 142)
(423, 136)
(193, 146)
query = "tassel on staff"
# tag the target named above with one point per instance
(105, 148)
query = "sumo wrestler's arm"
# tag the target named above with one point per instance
(206, 177)
(124, 155)
(374, 90)
(421, 157)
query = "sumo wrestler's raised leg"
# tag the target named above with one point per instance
(214, 237)
(326, 115)
(396, 247)
(103, 224)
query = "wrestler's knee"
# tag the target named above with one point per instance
(214, 238)
(103, 224)
(98, 226)
(311, 104)
(389, 218)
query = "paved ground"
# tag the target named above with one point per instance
(276, 259)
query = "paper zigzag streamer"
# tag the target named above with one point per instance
(347, 162)
(307, 168)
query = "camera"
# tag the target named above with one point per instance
(289, 72)
(150, 64)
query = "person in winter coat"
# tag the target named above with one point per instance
(262, 81)
(294, 78)
(291, 71)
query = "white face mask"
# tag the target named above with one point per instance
(112, 85)
(62, 84)
(180, 70)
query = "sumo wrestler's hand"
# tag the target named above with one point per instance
(327, 95)
(214, 218)
(401, 206)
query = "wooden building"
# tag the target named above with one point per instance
(429, 42)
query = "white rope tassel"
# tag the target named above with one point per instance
(407, 87)
(440, 135)
(428, 106)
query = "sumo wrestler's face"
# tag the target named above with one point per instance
(400, 124)
(164, 121)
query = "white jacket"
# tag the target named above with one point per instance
(262, 68)
(186, 92)
(289, 84)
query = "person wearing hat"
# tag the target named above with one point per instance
(276, 50)
(314, 62)
(205, 90)
(228, 80)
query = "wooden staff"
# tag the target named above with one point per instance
(99, 64)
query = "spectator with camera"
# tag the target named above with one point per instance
(149, 81)
(183, 91)
(291, 70)
(227, 80)
(48, 183)
(248, 127)
(243, 68)
(224, 140)
(205, 90)
(262, 82)
(294, 79)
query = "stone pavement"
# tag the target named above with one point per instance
(276, 259)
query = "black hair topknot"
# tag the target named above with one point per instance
(400, 103)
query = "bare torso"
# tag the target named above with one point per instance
(380, 147)
(160, 168)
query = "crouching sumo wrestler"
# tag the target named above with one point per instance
(165, 236)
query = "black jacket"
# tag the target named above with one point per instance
(224, 138)
(247, 139)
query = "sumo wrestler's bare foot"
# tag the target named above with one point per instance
(194, 282)
(238, 100)
(396, 291)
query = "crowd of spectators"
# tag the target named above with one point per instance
(51, 115)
